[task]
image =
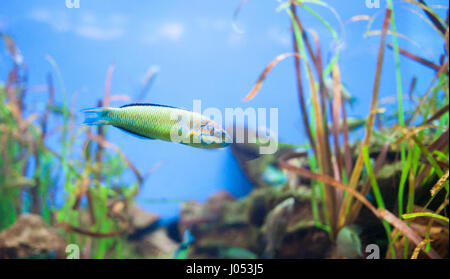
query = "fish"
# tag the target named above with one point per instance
(346, 96)
(352, 124)
(275, 226)
(153, 121)
(274, 176)
(349, 243)
(183, 250)
(236, 253)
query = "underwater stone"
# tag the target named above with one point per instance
(30, 237)
(238, 223)
(157, 245)
(193, 213)
(140, 218)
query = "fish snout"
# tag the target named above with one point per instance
(226, 138)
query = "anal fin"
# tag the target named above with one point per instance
(134, 134)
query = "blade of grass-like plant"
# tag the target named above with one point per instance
(422, 175)
(301, 95)
(393, 34)
(283, 162)
(323, 151)
(417, 58)
(255, 89)
(330, 195)
(410, 132)
(358, 18)
(370, 121)
(419, 247)
(430, 223)
(439, 184)
(407, 231)
(317, 194)
(378, 197)
(441, 71)
(64, 95)
(424, 18)
(412, 86)
(333, 61)
(147, 83)
(400, 111)
(438, 114)
(36, 205)
(113, 147)
(235, 16)
(12, 48)
(415, 156)
(424, 214)
(380, 212)
(440, 143)
(442, 206)
(65, 130)
(323, 97)
(432, 16)
(100, 133)
(347, 152)
(297, 24)
(427, 9)
(336, 112)
(432, 162)
(83, 187)
(429, 156)
(101, 129)
(71, 228)
(446, 41)
(301, 40)
(379, 162)
(50, 101)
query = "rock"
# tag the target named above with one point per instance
(30, 237)
(139, 218)
(306, 243)
(157, 245)
(224, 222)
(254, 164)
(193, 213)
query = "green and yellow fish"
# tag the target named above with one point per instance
(163, 122)
(275, 225)
(349, 243)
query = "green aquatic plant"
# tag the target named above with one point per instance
(32, 172)
(343, 181)
(342, 175)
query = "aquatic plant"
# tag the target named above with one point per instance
(32, 174)
(344, 175)
(419, 142)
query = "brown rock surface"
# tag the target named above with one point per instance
(29, 237)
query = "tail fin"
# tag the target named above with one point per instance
(95, 116)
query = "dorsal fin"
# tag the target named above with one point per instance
(146, 104)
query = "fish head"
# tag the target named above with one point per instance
(349, 243)
(212, 135)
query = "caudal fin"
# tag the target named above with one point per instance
(95, 116)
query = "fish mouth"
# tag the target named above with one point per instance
(226, 139)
